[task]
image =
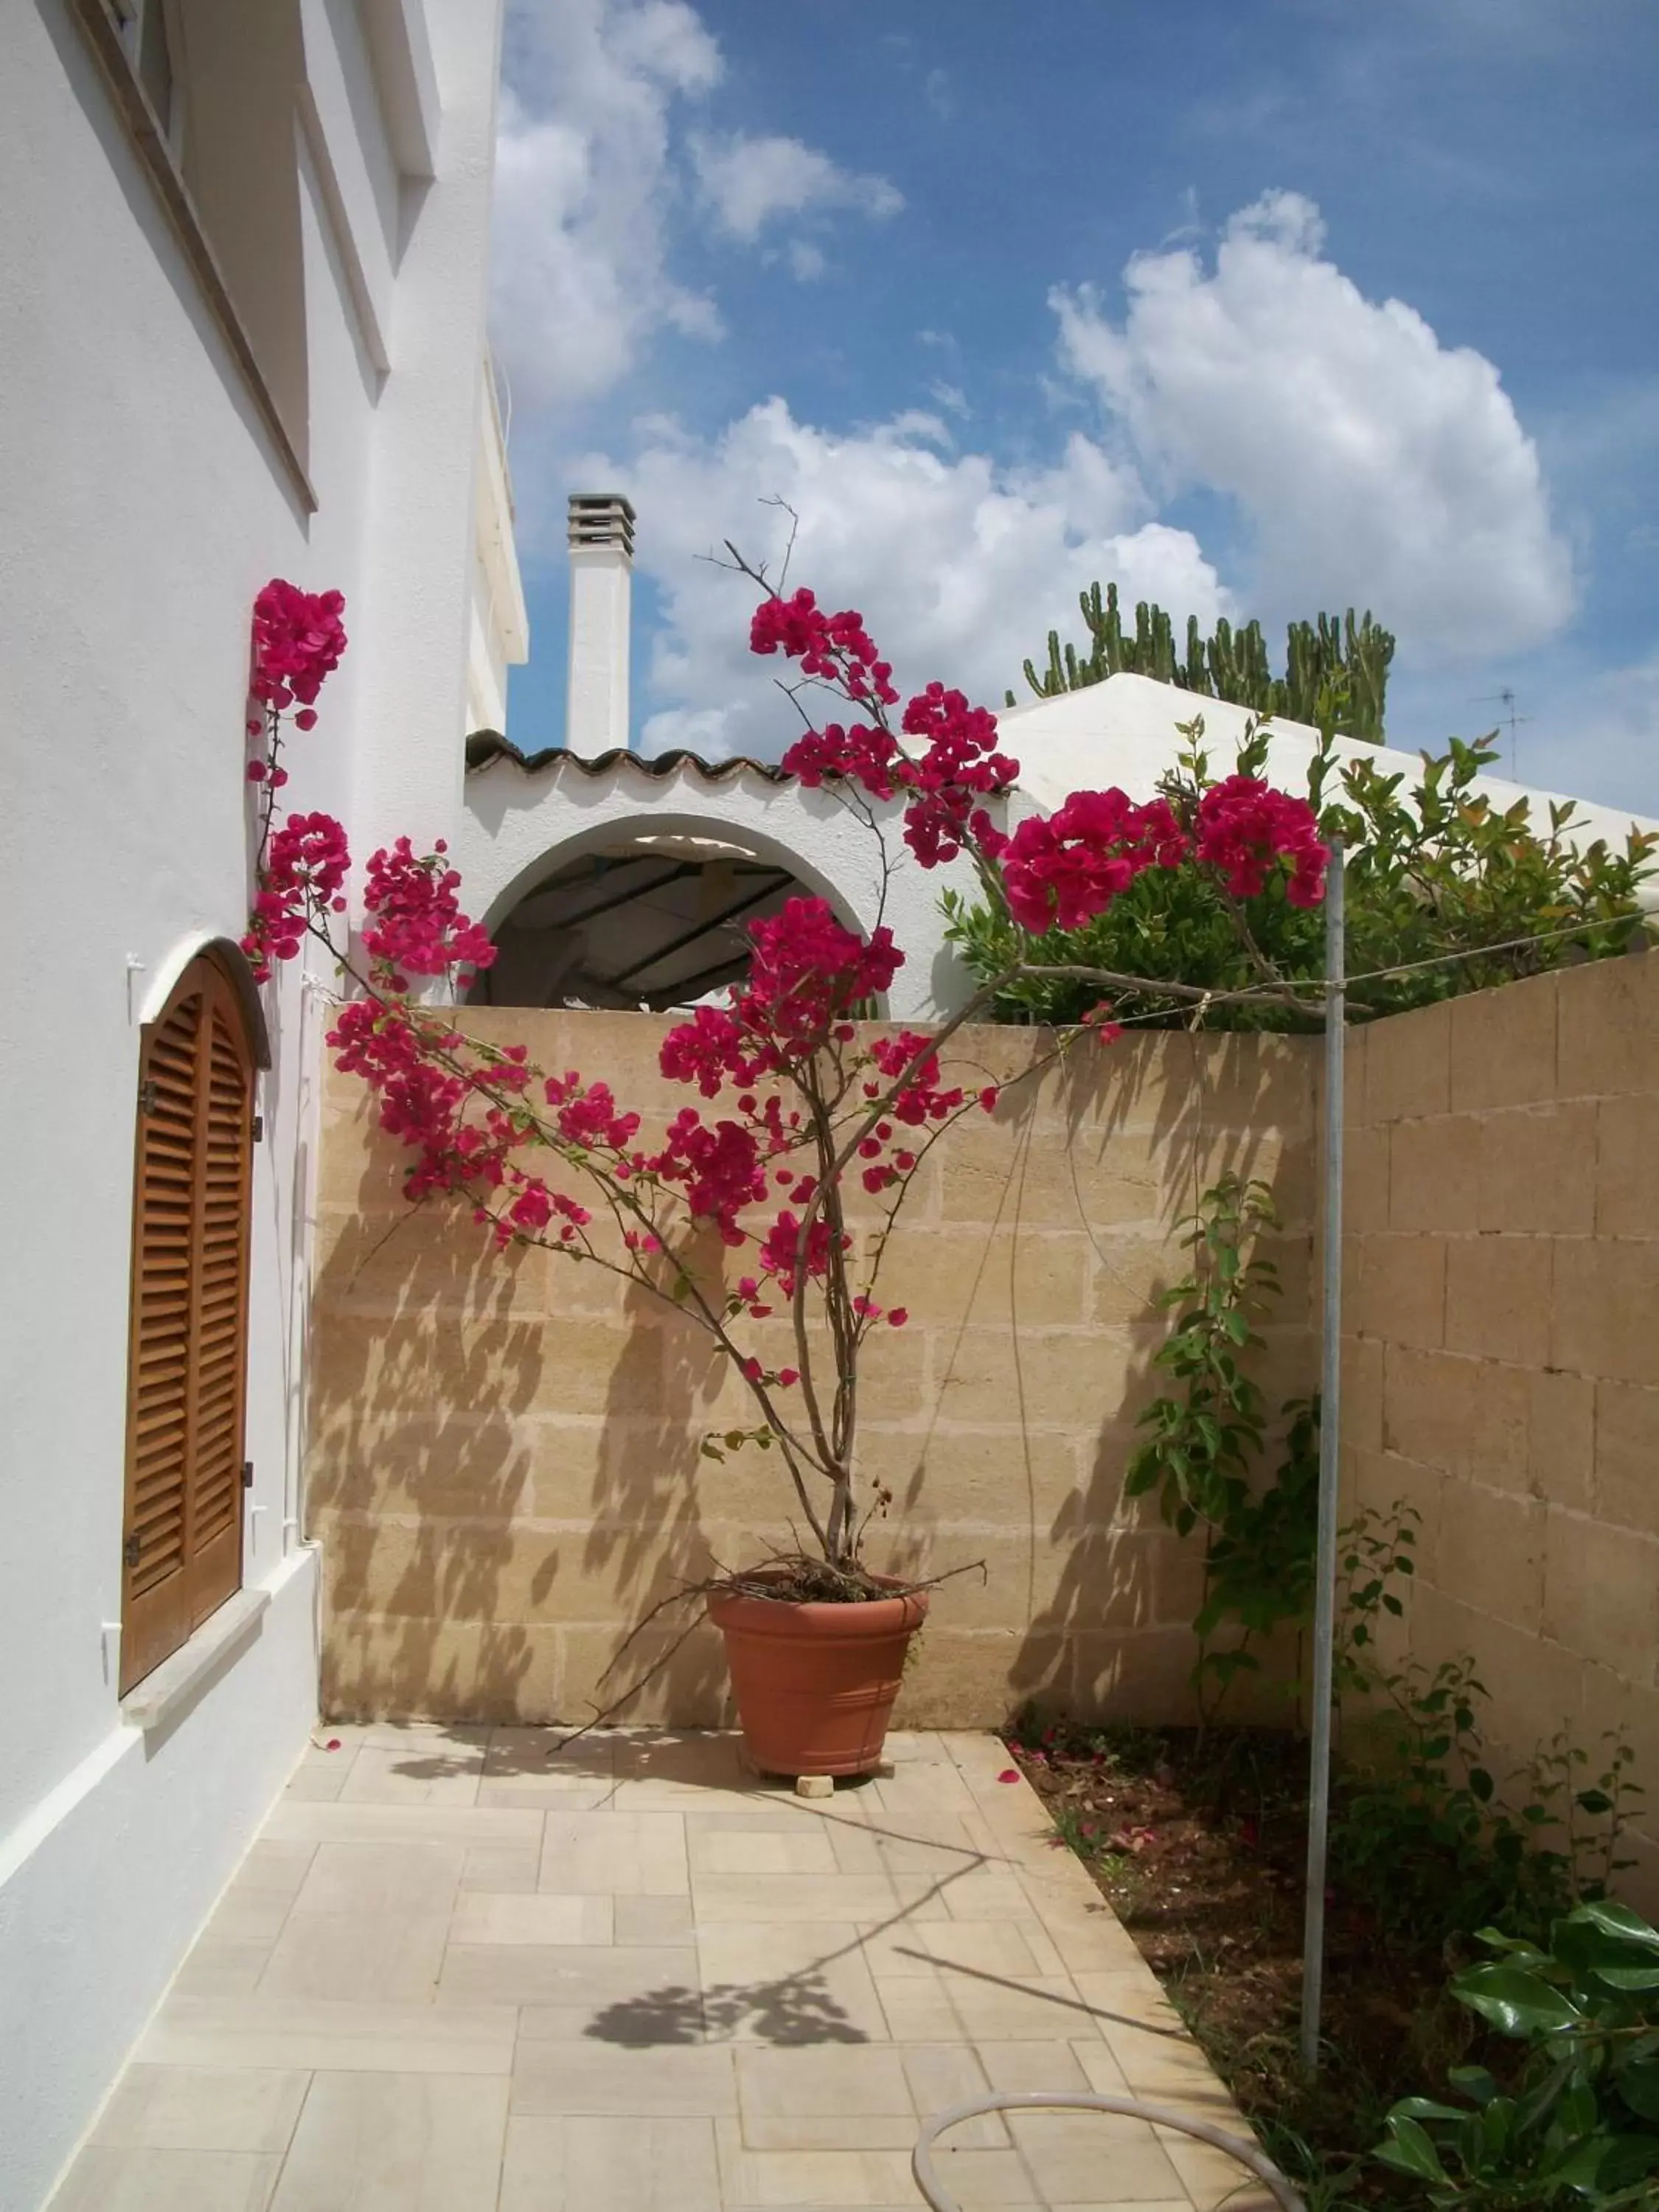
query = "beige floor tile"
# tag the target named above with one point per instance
(319, 1785)
(592, 1979)
(433, 1738)
(1079, 2158)
(608, 1854)
(382, 1958)
(484, 1917)
(623, 2165)
(986, 1893)
(690, 1761)
(289, 2032)
(536, 1793)
(423, 1774)
(847, 2096)
(202, 2108)
(103, 2181)
(986, 2178)
(1215, 2182)
(908, 1948)
(257, 1900)
(794, 1984)
(653, 1920)
(939, 1849)
(740, 1852)
(519, 1753)
(953, 2003)
(501, 1868)
(820, 2178)
(396, 2142)
(1095, 1941)
(845, 2083)
(717, 1897)
(296, 1822)
(908, 1746)
(734, 1952)
(223, 1967)
(1169, 2068)
(769, 1813)
(401, 1880)
(941, 2074)
(1031, 2070)
(606, 2080)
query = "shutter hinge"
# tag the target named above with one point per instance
(247, 1475)
(130, 1550)
(147, 1097)
(258, 1128)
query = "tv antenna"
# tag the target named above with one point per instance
(1505, 699)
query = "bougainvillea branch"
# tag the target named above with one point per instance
(804, 1105)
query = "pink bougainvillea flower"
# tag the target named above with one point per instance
(1009, 1774)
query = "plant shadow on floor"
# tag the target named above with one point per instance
(795, 2009)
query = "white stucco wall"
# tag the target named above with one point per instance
(145, 506)
(1123, 732)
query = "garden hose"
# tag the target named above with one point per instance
(1248, 2154)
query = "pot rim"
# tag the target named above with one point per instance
(782, 1616)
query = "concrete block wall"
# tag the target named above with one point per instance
(504, 1467)
(1502, 1346)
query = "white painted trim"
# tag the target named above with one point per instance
(332, 200)
(180, 1679)
(407, 80)
(54, 1808)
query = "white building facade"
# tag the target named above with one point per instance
(242, 291)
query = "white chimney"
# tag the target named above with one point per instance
(601, 598)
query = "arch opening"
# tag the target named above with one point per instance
(651, 920)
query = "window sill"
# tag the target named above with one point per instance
(176, 1684)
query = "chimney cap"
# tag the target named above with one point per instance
(601, 518)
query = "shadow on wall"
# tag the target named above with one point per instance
(503, 1470)
(1099, 1163)
(506, 1462)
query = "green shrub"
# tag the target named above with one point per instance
(1579, 2122)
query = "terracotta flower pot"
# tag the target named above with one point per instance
(815, 1683)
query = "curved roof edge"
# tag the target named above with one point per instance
(485, 747)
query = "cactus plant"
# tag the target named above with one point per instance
(1336, 672)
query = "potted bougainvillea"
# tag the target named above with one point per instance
(735, 1213)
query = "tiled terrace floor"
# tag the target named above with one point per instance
(458, 1975)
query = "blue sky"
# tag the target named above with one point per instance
(1259, 309)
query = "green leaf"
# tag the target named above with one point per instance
(1410, 2150)
(1516, 2002)
(1628, 2158)
(1425, 2108)
(1474, 2081)
(1616, 1920)
(1638, 2085)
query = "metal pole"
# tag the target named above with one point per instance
(1330, 1424)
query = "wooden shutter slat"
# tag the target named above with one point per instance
(192, 1226)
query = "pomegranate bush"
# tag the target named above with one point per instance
(795, 1107)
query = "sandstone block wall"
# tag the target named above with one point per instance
(1502, 1344)
(504, 1465)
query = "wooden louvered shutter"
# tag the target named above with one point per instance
(182, 1541)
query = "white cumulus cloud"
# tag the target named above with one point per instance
(960, 564)
(584, 183)
(750, 182)
(1371, 463)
